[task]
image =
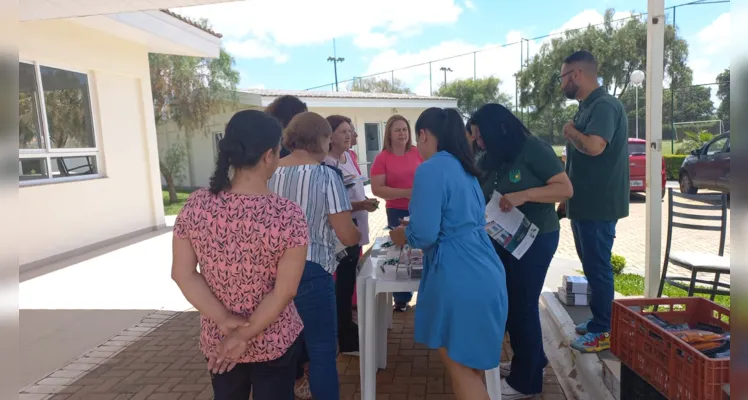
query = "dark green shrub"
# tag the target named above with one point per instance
(618, 262)
(672, 165)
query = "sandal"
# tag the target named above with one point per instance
(301, 389)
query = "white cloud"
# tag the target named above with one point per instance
(589, 17)
(297, 23)
(469, 4)
(374, 41)
(710, 50)
(493, 59)
(252, 48)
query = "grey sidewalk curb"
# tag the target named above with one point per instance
(580, 375)
(57, 381)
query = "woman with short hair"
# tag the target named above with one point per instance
(284, 108)
(322, 196)
(339, 157)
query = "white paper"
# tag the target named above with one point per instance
(510, 229)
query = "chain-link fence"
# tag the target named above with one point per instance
(685, 110)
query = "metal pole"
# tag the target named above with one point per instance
(655, 74)
(393, 78)
(431, 85)
(335, 67)
(521, 65)
(475, 68)
(516, 90)
(637, 111)
(335, 63)
(445, 77)
(672, 94)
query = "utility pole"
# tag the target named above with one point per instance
(445, 69)
(431, 85)
(335, 60)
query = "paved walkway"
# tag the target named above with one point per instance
(112, 290)
(631, 237)
(159, 359)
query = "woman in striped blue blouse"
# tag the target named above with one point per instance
(320, 192)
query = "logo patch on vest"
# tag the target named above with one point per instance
(515, 176)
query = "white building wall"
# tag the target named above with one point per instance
(199, 167)
(61, 217)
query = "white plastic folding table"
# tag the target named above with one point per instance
(374, 288)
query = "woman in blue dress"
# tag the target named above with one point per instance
(462, 298)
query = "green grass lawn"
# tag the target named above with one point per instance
(633, 285)
(174, 208)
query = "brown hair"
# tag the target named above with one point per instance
(284, 108)
(304, 132)
(388, 132)
(336, 120)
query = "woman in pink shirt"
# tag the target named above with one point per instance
(392, 179)
(251, 246)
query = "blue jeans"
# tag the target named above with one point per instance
(594, 243)
(524, 282)
(315, 301)
(393, 221)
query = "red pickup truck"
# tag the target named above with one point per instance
(638, 166)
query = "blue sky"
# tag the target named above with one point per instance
(284, 44)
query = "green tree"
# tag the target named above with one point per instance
(379, 85)
(188, 91)
(549, 123)
(620, 49)
(473, 93)
(723, 93)
(692, 103)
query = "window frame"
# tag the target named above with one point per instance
(713, 142)
(217, 137)
(48, 152)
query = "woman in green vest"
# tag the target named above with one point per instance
(527, 174)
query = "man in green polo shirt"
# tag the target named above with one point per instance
(598, 166)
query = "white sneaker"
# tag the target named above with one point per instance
(509, 393)
(505, 369)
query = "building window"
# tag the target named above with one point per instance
(216, 139)
(56, 137)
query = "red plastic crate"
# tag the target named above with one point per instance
(669, 364)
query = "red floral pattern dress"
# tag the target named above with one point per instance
(239, 240)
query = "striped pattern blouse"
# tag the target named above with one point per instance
(319, 191)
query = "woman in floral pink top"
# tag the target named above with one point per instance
(251, 246)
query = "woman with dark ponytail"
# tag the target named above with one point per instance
(527, 173)
(462, 304)
(251, 246)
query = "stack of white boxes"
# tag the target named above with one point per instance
(574, 291)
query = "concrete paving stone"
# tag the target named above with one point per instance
(412, 373)
(159, 358)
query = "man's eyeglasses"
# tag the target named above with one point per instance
(560, 78)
